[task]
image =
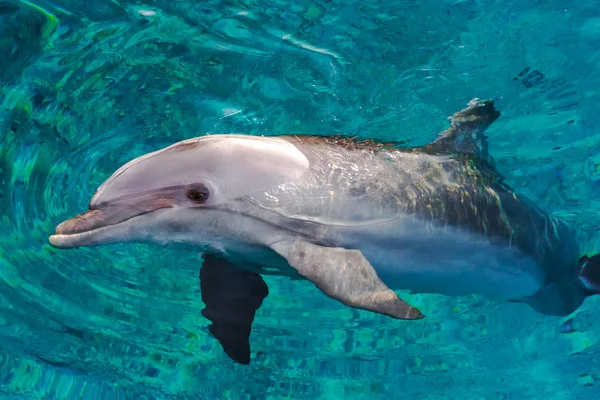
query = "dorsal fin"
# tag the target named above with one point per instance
(466, 133)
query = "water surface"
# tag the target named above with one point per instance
(87, 86)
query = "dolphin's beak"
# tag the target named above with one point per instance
(82, 223)
(80, 230)
(104, 224)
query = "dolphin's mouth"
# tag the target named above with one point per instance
(85, 222)
(74, 240)
(92, 226)
(87, 228)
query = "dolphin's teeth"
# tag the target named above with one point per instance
(81, 223)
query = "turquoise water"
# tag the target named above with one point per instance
(87, 86)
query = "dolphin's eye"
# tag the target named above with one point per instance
(198, 193)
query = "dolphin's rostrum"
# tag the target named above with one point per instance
(358, 218)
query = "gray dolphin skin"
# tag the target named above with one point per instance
(357, 218)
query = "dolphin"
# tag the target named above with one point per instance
(358, 218)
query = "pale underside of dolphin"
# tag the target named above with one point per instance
(358, 218)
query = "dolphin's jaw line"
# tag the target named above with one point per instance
(159, 226)
(64, 241)
(93, 237)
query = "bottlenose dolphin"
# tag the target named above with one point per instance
(358, 218)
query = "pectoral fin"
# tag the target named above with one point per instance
(231, 295)
(345, 275)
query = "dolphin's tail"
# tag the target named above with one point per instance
(589, 274)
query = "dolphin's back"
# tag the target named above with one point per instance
(354, 182)
(436, 218)
(445, 200)
(397, 204)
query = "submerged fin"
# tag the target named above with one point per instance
(231, 295)
(345, 275)
(565, 296)
(465, 135)
(558, 298)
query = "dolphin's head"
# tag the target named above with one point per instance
(180, 183)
